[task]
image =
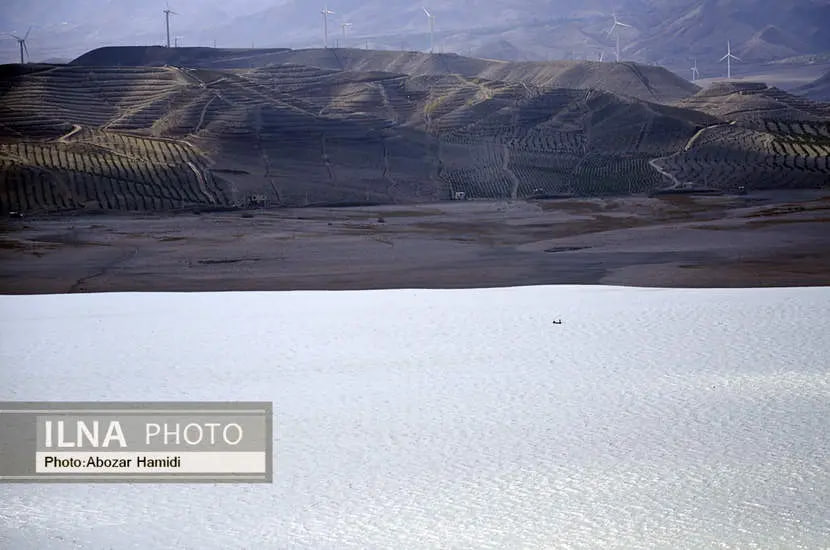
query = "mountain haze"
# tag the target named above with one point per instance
(818, 90)
(668, 32)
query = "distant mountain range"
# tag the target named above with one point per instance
(668, 32)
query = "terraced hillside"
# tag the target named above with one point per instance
(93, 169)
(158, 138)
(766, 139)
(753, 104)
(73, 138)
(645, 82)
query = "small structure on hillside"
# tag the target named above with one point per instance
(459, 196)
(257, 200)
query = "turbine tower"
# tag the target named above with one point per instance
(431, 30)
(729, 57)
(167, 13)
(22, 43)
(326, 12)
(613, 28)
(345, 26)
(695, 72)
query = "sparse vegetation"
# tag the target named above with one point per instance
(134, 138)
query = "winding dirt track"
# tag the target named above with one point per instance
(65, 138)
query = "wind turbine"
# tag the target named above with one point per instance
(345, 26)
(167, 13)
(326, 12)
(695, 72)
(601, 55)
(613, 28)
(22, 43)
(431, 30)
(729, 57)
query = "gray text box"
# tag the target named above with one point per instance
(223, 427)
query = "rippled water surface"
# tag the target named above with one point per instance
(451, 419)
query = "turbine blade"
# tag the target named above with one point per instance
(426, 11)
(15, 37)
(623, 24)
(26, 49)
(722, 58)
(25, 36)
(736, 58)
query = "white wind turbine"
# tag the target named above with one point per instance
(695, 72)
(431, 30)
(326, 12)
(613, 28)
(167, 13)
(22, 43)
(729, 57)
(345, 26)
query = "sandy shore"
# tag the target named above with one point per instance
(763, 239)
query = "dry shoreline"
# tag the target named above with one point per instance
(763, 239)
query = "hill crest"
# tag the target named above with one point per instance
(645, 82)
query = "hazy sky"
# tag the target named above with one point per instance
(539, 28)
